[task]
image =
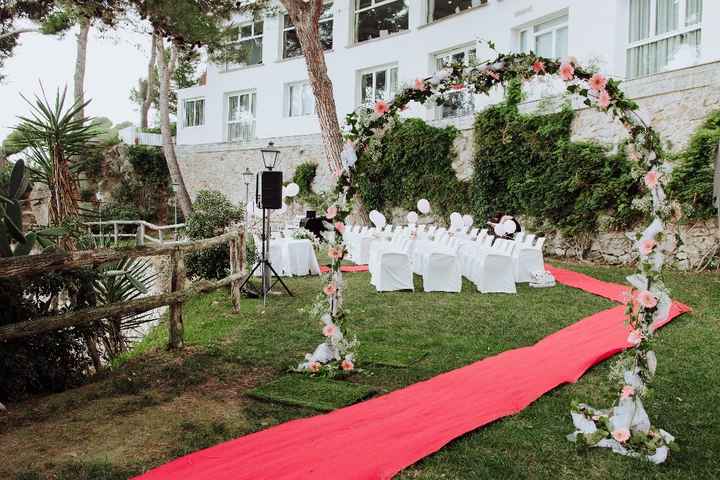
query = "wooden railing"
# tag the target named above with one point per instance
(30, 265)
(115, 230)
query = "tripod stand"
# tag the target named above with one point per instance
(266, 269)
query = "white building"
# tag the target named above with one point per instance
(375, 45)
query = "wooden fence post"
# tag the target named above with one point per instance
(116, 232)
(237, 261)
(177, 283)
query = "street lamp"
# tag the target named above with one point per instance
(247, 177)
(270, 156)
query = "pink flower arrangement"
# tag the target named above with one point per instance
(329, 330)
(635, 337)
(647, 246)
(627, 391)
(538, 67)
(336, 252)
(567, 71)
(604, 99)
(622, 435)
(314, 367)
(598, 82)
(340, 227)
(330, 289)
(652, 178)
(420, 85)
(458, 86)
(381, 108)
(647, 299)
(347, 365)
(494, 75)
(331, 213)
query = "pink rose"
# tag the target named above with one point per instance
(635, 337)
(314, 367)
(420, 85)
(604, 99)
(647, 299)
(340, 227)
(347, 365)
(329, 330)
(647, 246)
(336, 252)
(381, 108)
(331, 213)
(627, 391)
(651, 179)
(567, 71)
(538, 67)
(622, 435)
(330, 289)
(494, 75)
(598, 82)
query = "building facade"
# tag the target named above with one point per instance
(375, 46)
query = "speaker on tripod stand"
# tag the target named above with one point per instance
(268, 196)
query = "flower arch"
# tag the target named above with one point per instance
(625, 427)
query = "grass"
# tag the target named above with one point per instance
(155, 405)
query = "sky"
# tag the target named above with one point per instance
(115, 62)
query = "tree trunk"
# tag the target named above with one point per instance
(305, 17)
(166, 72)
(80, 63)
(150, 84)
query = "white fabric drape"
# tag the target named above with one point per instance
(639, 20)
(667, 16)
(693, 12)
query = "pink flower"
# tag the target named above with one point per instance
(336, 252)
(340, 227)
(635, 337)
(598, 82)
(538, 67)
(458, 86)
(627, 391)
(647, 246)
(622, 435)
(420, 85)
(329, 330)
(314, 367)
(331, 213)
(651, 179)
(381, 108)
(567, 71)
(603, 99)
(347, 365)
(494, 75)
(647, 299)
(330, 289)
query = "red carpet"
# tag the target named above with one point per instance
(346, 268)
(378, 438)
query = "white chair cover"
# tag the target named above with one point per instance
(528, 258)
(494, 272)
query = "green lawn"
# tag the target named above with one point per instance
(158, 405)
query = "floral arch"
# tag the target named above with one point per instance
(625, 427)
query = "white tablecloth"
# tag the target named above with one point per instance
(290, 257)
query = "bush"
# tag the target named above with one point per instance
(692, 178)
(212, 213)
(304, 176)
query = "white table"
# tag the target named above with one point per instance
(290, 257)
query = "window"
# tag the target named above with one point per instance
(379, 18)
(438, 9)
(547, 39)
(194, 112)
(658, 31)
(458, 102)
(378, 84)
(248, 45)
(300, 100)
(241, 116)
(291, 44)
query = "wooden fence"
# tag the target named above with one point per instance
(116, 231)
(27, 266)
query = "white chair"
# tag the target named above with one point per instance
(494, 272)
(392, 270)
(528, 258)
(442, 272)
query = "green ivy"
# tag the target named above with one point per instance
(692, 179)
(304, 176)
(412, 160)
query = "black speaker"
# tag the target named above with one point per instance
(271, 184)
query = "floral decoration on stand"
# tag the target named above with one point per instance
(305, 234)
(625, 428)
(337, 353)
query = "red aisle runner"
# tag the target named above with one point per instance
(378, 438)
(346, 268)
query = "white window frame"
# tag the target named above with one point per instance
(530, 35)
(388, 75)
(375, 3)
(469, 109)
(653, 36)
(240, 39)
(288, 100)
(197, 122)
(329, 19)
(250, 122)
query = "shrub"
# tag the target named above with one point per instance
(304, 176)
(212, 213)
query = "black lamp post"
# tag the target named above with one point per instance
(270, 156)
(247, 177)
